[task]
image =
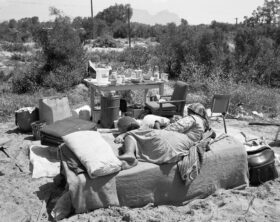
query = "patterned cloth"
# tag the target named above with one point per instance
(193, 126)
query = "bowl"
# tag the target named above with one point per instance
(146, 77)
(135, 80)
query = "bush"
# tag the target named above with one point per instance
(63, 78)
(105, 42)
(25, 79)
(15, 47)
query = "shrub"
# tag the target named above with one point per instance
(25, 79)
(105, 42)
(15, 47)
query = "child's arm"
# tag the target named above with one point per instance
(120, 138)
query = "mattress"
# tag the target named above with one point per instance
(225, 166)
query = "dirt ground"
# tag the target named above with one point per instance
(25, 199)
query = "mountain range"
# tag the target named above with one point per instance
(162, 17)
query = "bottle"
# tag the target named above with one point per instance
(156, 73)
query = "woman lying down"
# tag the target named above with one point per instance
(161, 146)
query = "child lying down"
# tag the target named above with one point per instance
(161, 146)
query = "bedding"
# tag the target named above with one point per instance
(93, 152)
(224, 167)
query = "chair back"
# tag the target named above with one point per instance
(180, 93)
(220, 104)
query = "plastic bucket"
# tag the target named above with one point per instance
(110, 106)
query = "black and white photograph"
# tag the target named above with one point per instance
(139, 111)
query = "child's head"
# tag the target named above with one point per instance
(127, 123)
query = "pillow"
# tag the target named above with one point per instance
(149, 121)
(94, 153)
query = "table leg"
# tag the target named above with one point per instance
(92, 102)
(145, 95)
(161, 89)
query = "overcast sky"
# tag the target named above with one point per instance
(194, 11)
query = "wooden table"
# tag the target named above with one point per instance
(146, 85)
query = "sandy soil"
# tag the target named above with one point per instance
(25, 199)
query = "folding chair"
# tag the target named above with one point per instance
(220, 104)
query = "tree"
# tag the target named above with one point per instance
(113, 13)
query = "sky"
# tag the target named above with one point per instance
(194, 11)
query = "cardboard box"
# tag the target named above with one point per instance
(134, 112)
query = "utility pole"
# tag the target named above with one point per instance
(236, 21)
(92, 19)
(128, 21)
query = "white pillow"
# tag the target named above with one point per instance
(149, 121)
(94, 153)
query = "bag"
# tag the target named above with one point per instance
(51, 135)
(261, 164)
(25, 116)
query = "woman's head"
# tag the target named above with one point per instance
(127, 123)
(198, 109)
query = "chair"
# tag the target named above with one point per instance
(220, 104)
(175, 106)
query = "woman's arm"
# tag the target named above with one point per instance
(182, 125)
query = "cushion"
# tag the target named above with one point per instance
(94, 153)
(154, 106)
(180, 91)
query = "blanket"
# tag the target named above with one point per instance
(224, 166)
(44, 161)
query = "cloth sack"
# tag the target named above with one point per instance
(94, 153)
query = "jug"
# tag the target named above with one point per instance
(102, 76)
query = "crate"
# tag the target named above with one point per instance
(134, 112)
(36, 127)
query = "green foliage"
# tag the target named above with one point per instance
(15, 47)
(25, 79)
(135, 57)
(105, 41)
(117, 12)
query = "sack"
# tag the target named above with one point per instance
(261, 164)
(93, 152)
(25, 116)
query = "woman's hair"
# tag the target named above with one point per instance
(127, 123)
(199, 110)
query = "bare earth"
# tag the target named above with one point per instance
(25, 199)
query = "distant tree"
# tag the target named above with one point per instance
(116, 12)
(266, 14)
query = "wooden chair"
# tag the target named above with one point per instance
(220, 104)
(174, 106)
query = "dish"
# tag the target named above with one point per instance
(135, 80)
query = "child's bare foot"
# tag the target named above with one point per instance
(127, 157)
(127, 165)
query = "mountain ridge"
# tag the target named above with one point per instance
(162, 17)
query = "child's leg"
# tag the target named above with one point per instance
(128, 157)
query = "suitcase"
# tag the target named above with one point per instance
(51, 135)
(261, 164)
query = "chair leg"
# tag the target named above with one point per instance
(225, 124)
